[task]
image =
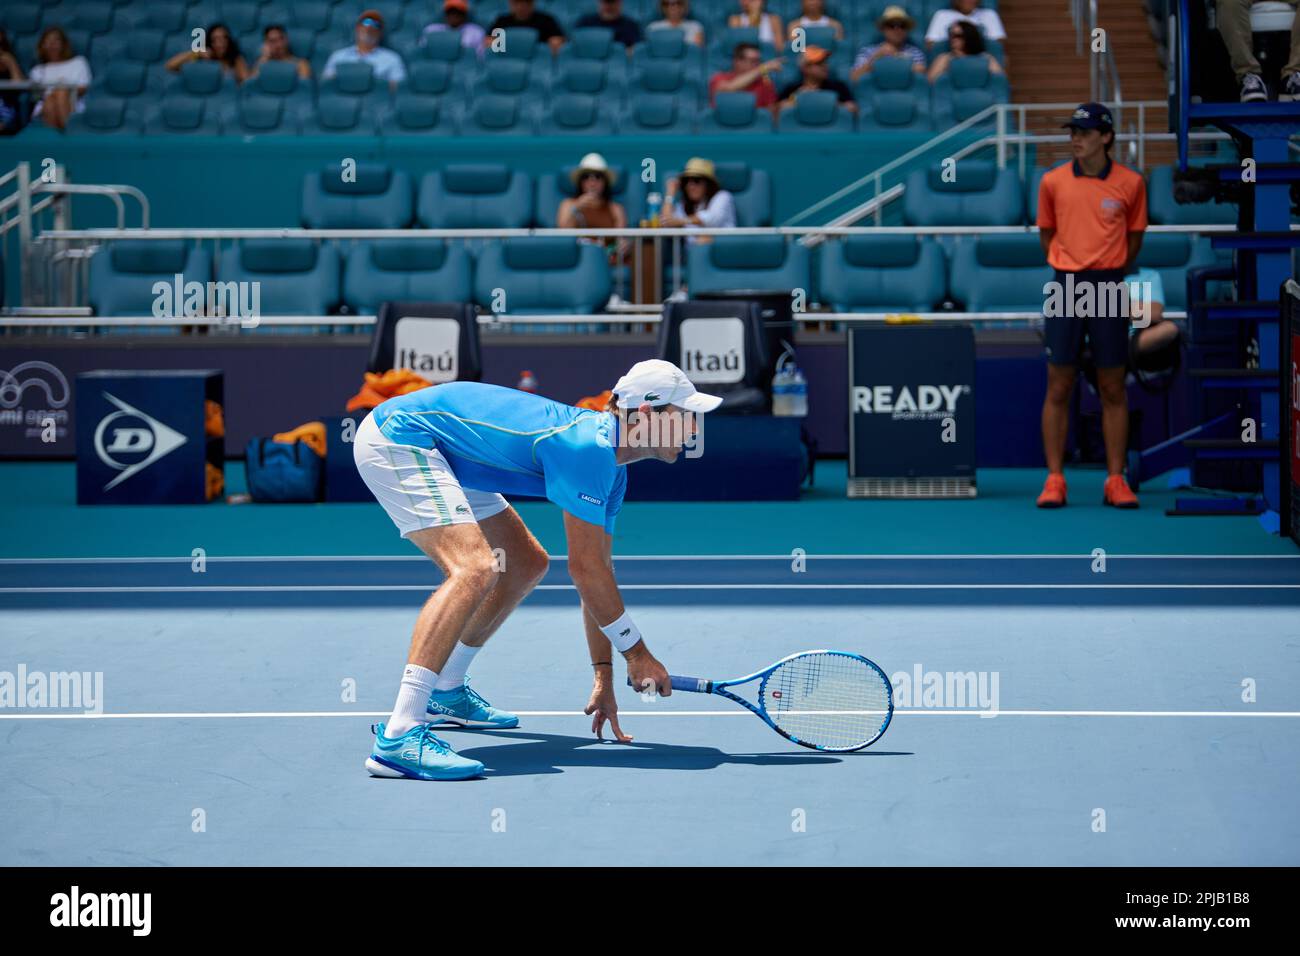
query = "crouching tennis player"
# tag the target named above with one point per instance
(438, 460)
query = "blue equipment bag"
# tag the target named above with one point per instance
(283, 471)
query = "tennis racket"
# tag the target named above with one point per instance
(826, 700)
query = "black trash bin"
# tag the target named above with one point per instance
(777, 314)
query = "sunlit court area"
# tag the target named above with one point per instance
(589, 433)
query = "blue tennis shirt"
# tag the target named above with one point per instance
(511, 442)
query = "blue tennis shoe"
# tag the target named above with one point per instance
(466, 707)
(419, 754)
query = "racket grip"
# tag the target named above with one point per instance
(693, 685)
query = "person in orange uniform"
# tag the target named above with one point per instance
(1092, 213)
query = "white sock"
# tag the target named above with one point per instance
(412, 700)
(453, 672)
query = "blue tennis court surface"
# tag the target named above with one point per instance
(1049, 712)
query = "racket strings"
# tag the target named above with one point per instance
(830, 700)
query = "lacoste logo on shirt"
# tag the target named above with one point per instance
(590, 499)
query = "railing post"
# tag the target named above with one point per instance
(1002, 135)
(24, 231)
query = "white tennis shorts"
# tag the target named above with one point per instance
(416, 486)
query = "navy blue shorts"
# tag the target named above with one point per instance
(1106, 328)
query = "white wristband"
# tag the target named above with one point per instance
(622, 633)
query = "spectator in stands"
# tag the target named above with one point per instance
(524, 13)
(748, 74)
(894, 25)
(814, 15)
(1234, 26)
(609, 14)
(275, 46)
(1092, 214)
(703, 201)
(1146, 295)
(385, 63)
(964, 39)
(768, 25)
(219, 45)
(455, 17)
(988, 21)
(58, 64)
(594, 206)
(676, 14)
(11, 72)
(817, 76)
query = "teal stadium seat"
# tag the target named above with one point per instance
(751, 189)
(356, 81)
(966, 88)
(475, 196)
(590, 78)
(205, 80)
(429, 78)
(818, 111)
(104, 115)
(445, 47)
(658, 113)
(242, 17)
(1171, 254)
(521, 43)
(413, 114)
(594, 45)
(882, 274)
(341, 116)
(747, 262)
(122, 274)
(313, 16)
(1032, 183)
(571, 114)
(21, 20)
(280, 81)
(543, 275)
(380, 197)
(182, 114)
(893, 96)
(494, 115)
(169, 17)
(668, 46)
(93, 16)
(297, 276)
(520, 80)
(405, 270)
(261, 116)
(557, 186)
(736, 113)
(980, 195)
(999, 273)
(1164, 211)
(135, 45)
(724, 45)
(126, 79)
(667, 78)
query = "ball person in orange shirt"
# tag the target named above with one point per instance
(1092, 213)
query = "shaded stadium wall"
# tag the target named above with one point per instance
(276, 383)
(228, 181)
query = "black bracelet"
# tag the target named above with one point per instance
(602, 663)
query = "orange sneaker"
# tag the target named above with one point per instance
(1118, 494)
(1053, 495)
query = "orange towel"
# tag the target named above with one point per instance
(311, 434)
(596, 402)
(214, 480)
(379, 387)
(214, 420)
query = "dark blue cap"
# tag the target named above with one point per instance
(1090, 116)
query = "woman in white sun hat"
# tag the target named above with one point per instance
(593, 205)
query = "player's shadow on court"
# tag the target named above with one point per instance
(531, 753)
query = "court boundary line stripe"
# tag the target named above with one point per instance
(1086, 556)
(908, 712)
(311, 588)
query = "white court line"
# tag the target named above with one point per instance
(186, 559)
(287, 588)
(663, 713)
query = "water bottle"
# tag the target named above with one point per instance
(654, 206)
(527, 382)
(782, 385)
(798, 393)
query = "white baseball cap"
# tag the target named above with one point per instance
(657, 382)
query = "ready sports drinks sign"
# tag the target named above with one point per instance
(911, 402)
